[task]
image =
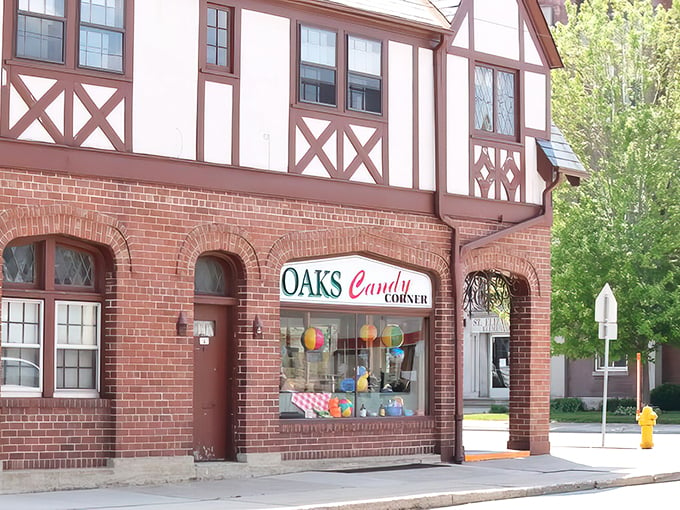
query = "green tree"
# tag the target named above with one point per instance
(618, 102)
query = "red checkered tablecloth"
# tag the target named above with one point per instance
(307, 401)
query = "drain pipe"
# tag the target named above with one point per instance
(458, 250)
(440, 118)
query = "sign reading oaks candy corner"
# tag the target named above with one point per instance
(354, 280)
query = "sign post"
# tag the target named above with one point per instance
(606, 317)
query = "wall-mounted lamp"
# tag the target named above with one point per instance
(257, 327)
(182, 324)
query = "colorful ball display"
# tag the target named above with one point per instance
(368, 333)
(312, 339)
(392, 336)
(346, 407)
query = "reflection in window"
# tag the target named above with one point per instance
(21, 343)
(363, 77)
(317, 66)
(374, 365)
(494, 101)
(19, 264)
(101, 34)
(217, 42)
(209, 277)
(73, 267)
(40, 30)
(77, 345)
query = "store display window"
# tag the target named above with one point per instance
(352, 365)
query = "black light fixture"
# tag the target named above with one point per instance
(257, 327)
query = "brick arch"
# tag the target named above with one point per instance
(492, 258)
(217, 237)
(319, 243)
(71, 221)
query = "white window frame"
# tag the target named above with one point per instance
(599, 365)
(11, 390)
(78, 393)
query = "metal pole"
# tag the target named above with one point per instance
(637, 405)
(606, 371)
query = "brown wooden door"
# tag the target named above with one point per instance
(212, 384)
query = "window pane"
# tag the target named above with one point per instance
(76, 369)
(40, 39)
(364, 93)
(484, 98)
(102, 49)
(317, 46)
(108, 13)
(505, 92)
(73, 267)
(50, 7)
(370, 361)
(19, 264)
(21, 322)
(77, 323)
(21, 367)
(364, 56)
(317, 85)
(218, 37)
(209, 277)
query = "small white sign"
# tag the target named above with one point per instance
(605, 305)
(204, 340)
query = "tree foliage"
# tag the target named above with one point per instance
(618, 102)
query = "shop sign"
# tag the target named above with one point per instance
(492, 324)
(354, 280)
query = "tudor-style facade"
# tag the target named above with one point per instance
(217, 216)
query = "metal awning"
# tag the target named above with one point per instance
(561, 155)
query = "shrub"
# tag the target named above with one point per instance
(613, 404)
(566, 405)
(625, 411)
(498, 409)
(666, 396)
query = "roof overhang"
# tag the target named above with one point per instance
(561, 156)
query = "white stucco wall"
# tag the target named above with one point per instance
(531, 54)
(265, 91)
(458, 126)
(496, 27)
(426, 126)
(218, 120)
(535, 91)
(165, 78)
(400, 114)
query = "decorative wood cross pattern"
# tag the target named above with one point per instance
(67, 110)
(497, 172)
(338, 147)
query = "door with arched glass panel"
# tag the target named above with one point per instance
(213, 360)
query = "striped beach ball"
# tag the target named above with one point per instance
(312, 339)
(346, 407)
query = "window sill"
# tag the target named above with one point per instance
(61, 68)
(55, 403)
(616, 373)
(380, 118)
(215, 71)
(491, 138)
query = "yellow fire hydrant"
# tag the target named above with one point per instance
(647, 420)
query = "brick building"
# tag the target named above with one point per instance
(223, 220)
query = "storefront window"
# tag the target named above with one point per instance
(354, 365)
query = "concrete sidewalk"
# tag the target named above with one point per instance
(577, 462)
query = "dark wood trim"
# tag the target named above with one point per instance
(415, 65)
(39, 157)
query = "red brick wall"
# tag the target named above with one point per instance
(156, 233)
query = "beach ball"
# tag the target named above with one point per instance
(392, 336)
(312, 339)
(368, 333)
(346, 407)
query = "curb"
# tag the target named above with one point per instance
(438, 500)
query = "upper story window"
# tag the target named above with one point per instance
(43, 32)
(219, 37)
(615, 365)
(495, 101)
(322, 69)
(51, 320)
